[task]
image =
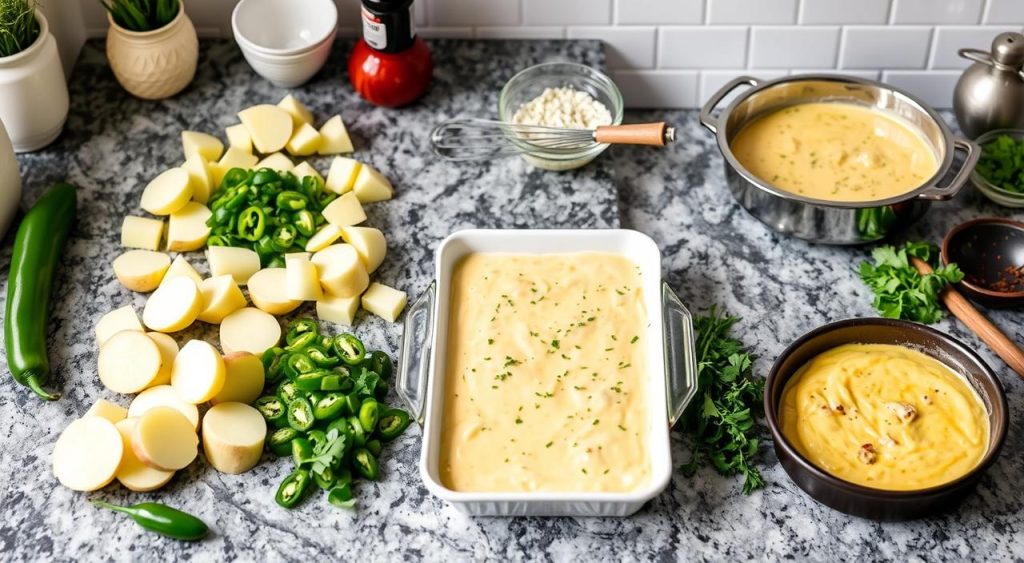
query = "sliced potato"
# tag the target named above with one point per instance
(186, 229)
(301, 282)
(168, 192)
(141, 270)
(268, 291)
(129, 362)
(238, 137)
(243, 380)
(269, 126)
(198, 372)
(142, 232)
(173, 306)
(203, 145)
(342, 174)
(132, 473)
(200, 178)
(340, 271)
(181, 268)
(383, 301)
(164, 439)
(163, 396)
(122, 318)
(335, 137)
(369, 243)
(371, 185)
(276, 161)
(304, 169)
(300, 114)
(233, 435)
(305, 140)
(110, 411)
(239, 263)
(323, 238)
(249, 330)
(221, 297)
(87, 454)
(341, 310)
(168, 350)
(344, 211)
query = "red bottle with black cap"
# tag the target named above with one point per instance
(390, 66)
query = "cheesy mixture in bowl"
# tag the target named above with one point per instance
(885, 416)
(546, 379)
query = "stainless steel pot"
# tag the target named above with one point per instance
(825, 221)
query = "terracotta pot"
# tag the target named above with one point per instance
(33, 92)
(154, 64)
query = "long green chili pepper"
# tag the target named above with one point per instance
(162, 519)
(293, 489)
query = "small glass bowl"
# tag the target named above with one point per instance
(992, 191)
(531, 82)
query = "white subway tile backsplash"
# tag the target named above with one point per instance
(885, 47)
(1004, 11)
(751, 12)
(791, 46)
(521, 32)
(472, 12)
(950, 39)
(659, 12)
(566, 12)
(440, 32)
(934, 87)
(625, 47)
(937, 11)
(657, 88)
(865, 74)
(702, 47)
(712, 80)
(849, 12)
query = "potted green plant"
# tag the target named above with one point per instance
(33, 92)
(152, 46)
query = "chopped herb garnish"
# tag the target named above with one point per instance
(555, 344)
(634, 339)
(519, 420)
(548, 445)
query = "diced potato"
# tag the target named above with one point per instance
(186, 229)
(233, 435)
(304, 169)
(249, 330)
(305, 140)
(276, 161)
(335, 137)
(221, 297)
(371, 185)
(141, 270)
(235, 158)
(244, 379)
(132, 473)
(344, 211)
(168, 350)
(301, 282)
(163, 396)
(268, 291)
(142, 232)
(342, 174)
(122, 318)
(203, 145)
(198, 372)
(269, 126)
(129, 362)
(110, 411)
(238, 137)
(217, 173)
(341, 310)
(369, 243)
(239, 263)
(173, 306)
(181, 267)
(164, 439)
(168, 192)
(199, 175)
(323, 238)
(383, 301)
(87, 454)
(340, 270)
(299, 112)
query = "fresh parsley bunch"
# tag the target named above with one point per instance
(1002, 163)
(901, 292)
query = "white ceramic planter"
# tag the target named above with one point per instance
(154, 64)
(10, 182)
(33, 93)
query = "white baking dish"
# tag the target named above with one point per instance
(671, 365)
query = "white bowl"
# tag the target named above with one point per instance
(289, 71)
(283, 27)
(671, 366)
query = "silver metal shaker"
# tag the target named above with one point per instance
(990, 93)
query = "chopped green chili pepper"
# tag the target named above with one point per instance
(283, 238)
(321, 357)
(280, 440)
(273, 370)
(234, 177)
(310, 381)
(302, 342)
(300, 414)
(341, 496)
(392, 423)
(349, 348)
(298, 327)
(293, 488)
(335, 382)
(291, 200)
(304, 222)
(287, 391)
(302, 452)
(368, 412)
(380, 363)
(342, 476)
(352, 403)
(325, 478)
(265, 176)
(297, 364)
(357, 433)
(251, 224)
(374, 446)
(330, 407)
(381, 391)
(273, 410)
(366, 464)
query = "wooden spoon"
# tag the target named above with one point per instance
(961, 308)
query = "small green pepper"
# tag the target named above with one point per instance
(375, 446)
(352, 403)
(291, 200)
(251, 224)
(391, 424)
(349, 348)
(380, 363)
(280, 440)
(162, 519)
(287, 391)
(297, 364)
(330, 407)
(310, 381)
(302, 342)
(357, 433)
(300, 414)
(342, 497)
(366, 464)
(273, 410)
(293, 488)
(321, 357)
(302, 452)
(368, 413)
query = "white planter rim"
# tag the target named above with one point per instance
(153, 33)
(35, 47)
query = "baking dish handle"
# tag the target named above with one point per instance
(417, 342)
(939, 193)
(706, 119)
(680, 354)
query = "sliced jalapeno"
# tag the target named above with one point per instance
(325, 478)
(265, 176)
(391, 424)
(298, 327)
(300, 414)
(293, 488)
(302, 342)
(365, 464)
(380, 363)
(304, 222)
(251, 224)
(349, 348)
(321, 357)
(280, 440)
(342, 497)
(287, 391)
(329, 407)
(272, 368)
(296, 364)
(332, 382)
(302, 452)
(283, 238)
(275, 262)
(352, 403)
(273, 410)
(264, 248)
(310, 381)
(381, 390)
(290, 200)
(234, 177)
(368, 412)
(375, 446)
(358, 435)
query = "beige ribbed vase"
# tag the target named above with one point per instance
(154, 64)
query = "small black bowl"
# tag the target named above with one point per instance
(986, 250)
(866, 502)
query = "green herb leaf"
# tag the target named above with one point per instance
(901, 292)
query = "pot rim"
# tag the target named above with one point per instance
(944, 253)
(44, 31)
(943, 168)
(771, 412)
(138, 35)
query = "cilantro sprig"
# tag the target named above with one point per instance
(901, 292)
(1002, 163)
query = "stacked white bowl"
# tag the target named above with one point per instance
(286, 42)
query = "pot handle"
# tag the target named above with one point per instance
(706, 119)
(680, 354)
(941, 193)
(417, 343)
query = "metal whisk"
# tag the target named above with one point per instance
(485, 139)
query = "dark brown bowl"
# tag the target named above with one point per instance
(878, 504)
(985, 249)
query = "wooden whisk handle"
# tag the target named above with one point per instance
(656, 134)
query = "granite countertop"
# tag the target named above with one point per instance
(713, 253)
